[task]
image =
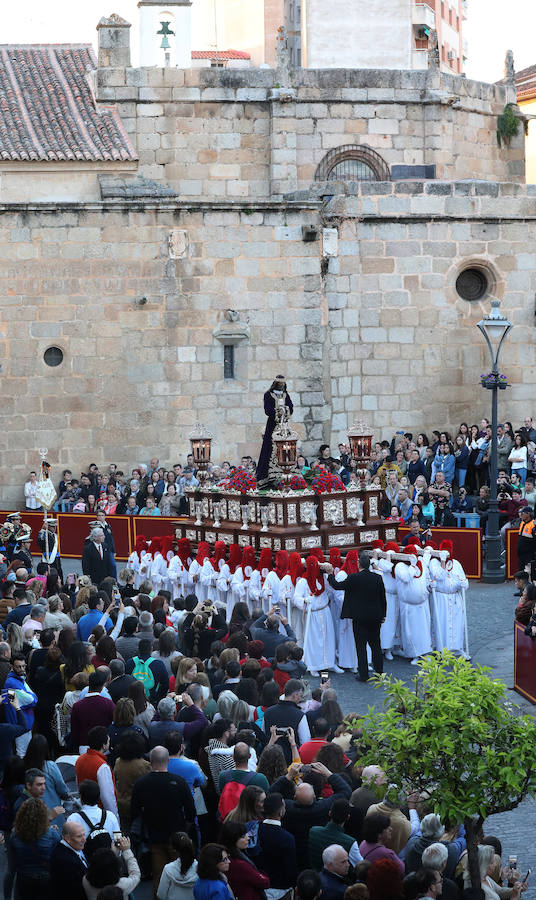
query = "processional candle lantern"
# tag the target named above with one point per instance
(201, 440)
(286, 448)
(360, 439)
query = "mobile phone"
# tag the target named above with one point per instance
(526, 878)
(277, 610)
(512, 862)
(281, 731)
(324, 676)
(117, 837)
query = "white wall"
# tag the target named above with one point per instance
(373, 34)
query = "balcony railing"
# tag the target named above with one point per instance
(423, 15)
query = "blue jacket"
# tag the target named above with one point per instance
(204, 889)
(444, 464)
(87, 623)
(27, 700)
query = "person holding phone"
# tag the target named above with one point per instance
(10, 731)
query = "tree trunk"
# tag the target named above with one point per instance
(471, 830)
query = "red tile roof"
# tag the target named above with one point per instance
(526, 83)
(47, 107)
(220, 54)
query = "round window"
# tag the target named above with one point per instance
(53, 356)
(472, 284)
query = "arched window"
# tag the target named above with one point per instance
(353, 163)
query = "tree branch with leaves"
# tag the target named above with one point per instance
(456, 738)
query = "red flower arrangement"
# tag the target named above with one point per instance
(241, 481)
(326, 483)
(297, 483)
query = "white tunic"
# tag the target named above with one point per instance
(319, 634)
(208, 578)
(240, 586)
(284, 597)
(223, 589)
(158, 571)
(344, 632)
(176, 572)
(198, 588)
(134, 563)
(271, 595)
(448, 609)
(391, 627)
(414, 610)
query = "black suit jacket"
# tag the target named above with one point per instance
(364, 597)
(66, 873)
(92, 564)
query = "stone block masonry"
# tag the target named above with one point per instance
(359, 323)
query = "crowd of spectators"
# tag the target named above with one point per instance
(130, 749)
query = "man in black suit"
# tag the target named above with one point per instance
(366, 605)
(68, 864)
(95, 562)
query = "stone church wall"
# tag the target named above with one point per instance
(364, 320)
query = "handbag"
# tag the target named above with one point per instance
(60, 724)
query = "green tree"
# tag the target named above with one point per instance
(455, 737)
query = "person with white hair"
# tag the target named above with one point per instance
(435, 857)
(335, 863)
(432, 832)
(490, 865)
(95, 560)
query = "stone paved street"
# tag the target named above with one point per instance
(490, 612)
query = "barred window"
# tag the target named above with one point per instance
(353, 163)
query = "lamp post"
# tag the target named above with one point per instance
(494, 327)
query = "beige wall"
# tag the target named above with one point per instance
(223, 133)
(358, 35)
(367, 325)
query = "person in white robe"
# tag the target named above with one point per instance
(210, 572)
(390, 629)
(258, 577)
(415, 623)
(158, 568)
(135, 559)
(346, 649)
(199, 589)
(223, 581)
(241, 578)
(186, 556)
(271, 593)
(319, 634)
(448, 582)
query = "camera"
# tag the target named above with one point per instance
(282, 731)
(11, 696)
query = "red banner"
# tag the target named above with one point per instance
(524, 663)
(467, 546)
(512, 562)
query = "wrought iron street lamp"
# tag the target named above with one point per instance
(494, 327)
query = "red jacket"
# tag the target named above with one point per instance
(511, 507)
(246, 881)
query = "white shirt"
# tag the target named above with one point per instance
(29, 492)
(94, 814)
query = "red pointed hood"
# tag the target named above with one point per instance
(184, 551)
(282, 563)
(296, 567)
(319, 553)
(314, 577)
(156, 546)
(235, 557)
(248, 559)
(335, 558)
(219, 553)
(203, 551)
(167, 545)
(141, 544)
(265, 559)
(351, 565)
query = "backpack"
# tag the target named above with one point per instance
(98, 825)
(230, 796)
(142, 672)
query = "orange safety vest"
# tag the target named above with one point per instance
(527, 528)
